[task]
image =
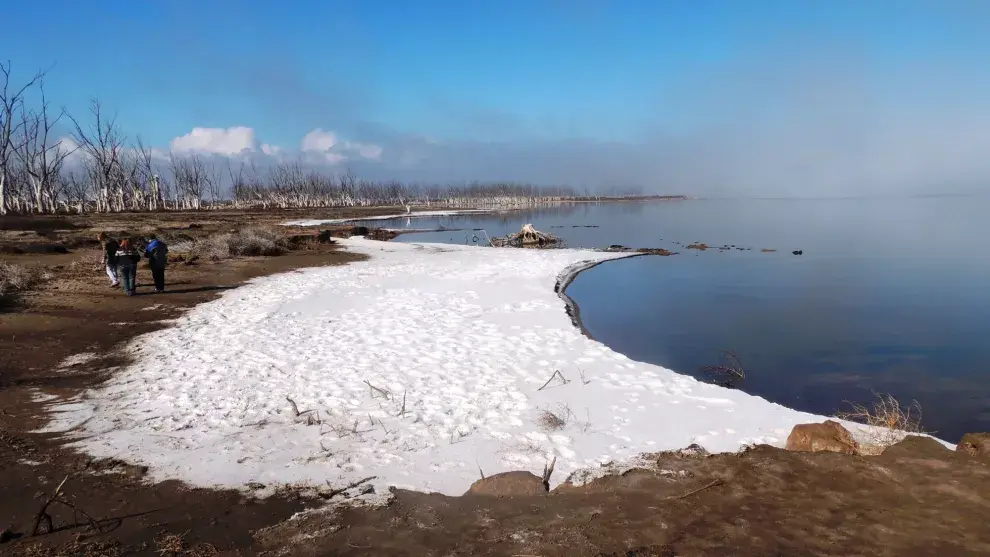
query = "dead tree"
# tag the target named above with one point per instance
(40, 156)
(214, 183)
(104, 144)
(189, 175)
(11, 100)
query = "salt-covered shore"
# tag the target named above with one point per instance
(420, 366)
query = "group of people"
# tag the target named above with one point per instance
(121, 260)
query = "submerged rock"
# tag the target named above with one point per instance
(656, 251)
(828, 436)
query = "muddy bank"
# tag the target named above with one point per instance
(76, 314)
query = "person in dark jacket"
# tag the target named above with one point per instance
(128, 258)
(157, 254)
(109, 259)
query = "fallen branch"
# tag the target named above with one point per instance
(715, 483)
(43, 512)
(374, 389)
(56, 497)
(295, 408)
(556, 373)
(334, 492)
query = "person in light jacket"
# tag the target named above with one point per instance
(157, 254)
(128, 258)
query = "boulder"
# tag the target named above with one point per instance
(976, 444)
(917, 447)
(829, 436)
(509, 484)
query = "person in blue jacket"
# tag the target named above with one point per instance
(157, 254)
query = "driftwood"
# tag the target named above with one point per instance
(528, 236)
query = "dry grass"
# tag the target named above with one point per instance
(548, 421)
(243, 243)
(889, 422)
(18, 278)
(109, 548)
(170, 545)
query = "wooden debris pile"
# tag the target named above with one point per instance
(528, 237)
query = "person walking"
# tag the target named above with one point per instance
(109, 258)
(128, 258)
(157, 254)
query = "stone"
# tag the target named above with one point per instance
(829, 436)
(976, 444)
(917, 446)
(509, 484)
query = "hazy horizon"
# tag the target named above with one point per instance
(715, 98)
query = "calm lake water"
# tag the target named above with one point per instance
(891, 296)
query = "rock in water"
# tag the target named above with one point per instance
(976, 444)
(509, 484)
(829, 436)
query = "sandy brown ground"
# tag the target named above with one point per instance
(917, 499)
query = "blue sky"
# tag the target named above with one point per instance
(488, 89)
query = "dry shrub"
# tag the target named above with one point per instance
(170, 545)
(248, 242)
(727, 373)
(550, 421)
(18, 278)
(889, 422)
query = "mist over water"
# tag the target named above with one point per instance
(889, 296)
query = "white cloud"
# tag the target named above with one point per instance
(319, 141)
(366, 150)
(319, 146)
(217, 141)
(327, 146)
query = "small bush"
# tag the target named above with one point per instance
(18, 278)
(243, 243)
(551, 422)
(889, 422)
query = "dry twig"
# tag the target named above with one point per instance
(714, 483)
(726, 374)
(385, 393)
(334, 492)
(556, 373)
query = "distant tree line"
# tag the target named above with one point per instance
(102, 170)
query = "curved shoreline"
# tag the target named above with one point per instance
(568, 276)
(462, 337)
